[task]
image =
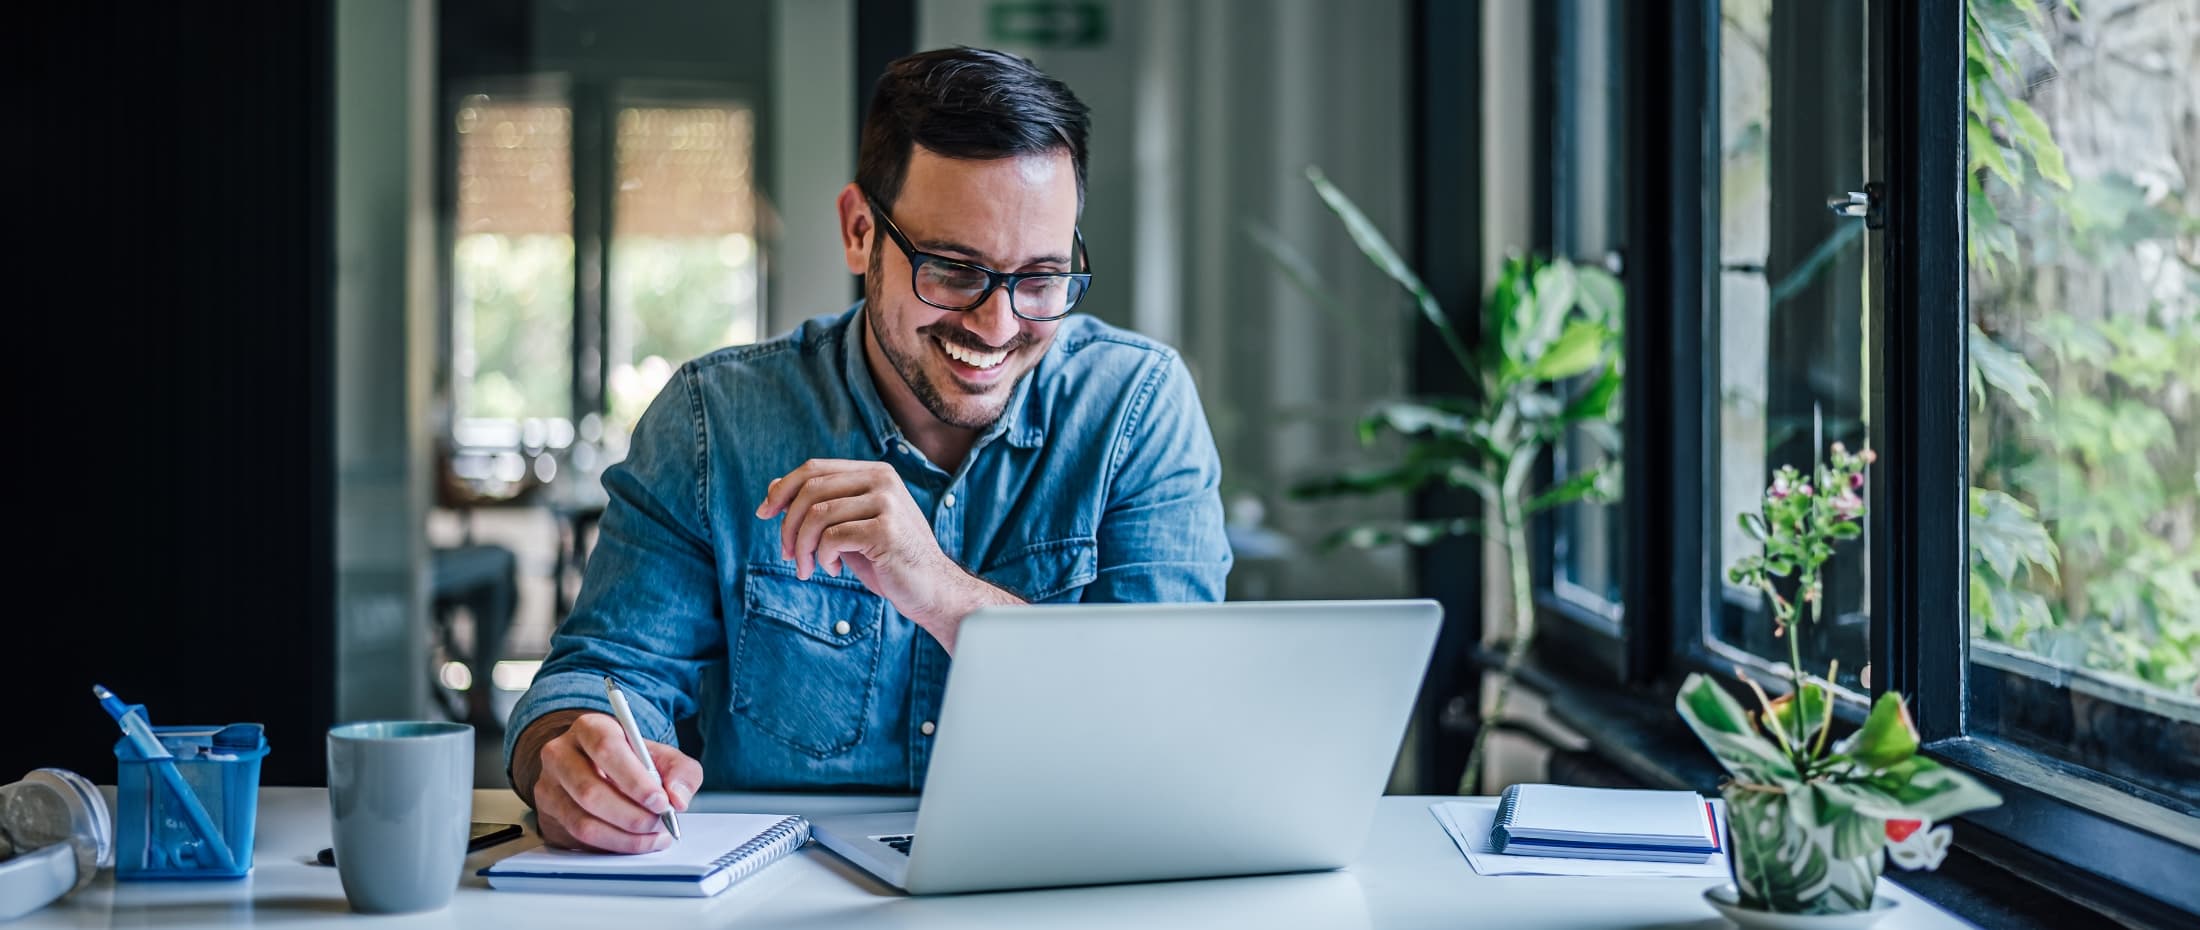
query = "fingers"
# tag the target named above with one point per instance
(784, 488)
(823, 489)
(851, 536)
(566, 823)
(624, 793)
(821, 518)
(681, 774)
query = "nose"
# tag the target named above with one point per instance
(993, 321)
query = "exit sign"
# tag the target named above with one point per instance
(1044, 24)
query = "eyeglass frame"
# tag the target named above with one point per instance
(993, 279)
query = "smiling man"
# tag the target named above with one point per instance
(802, 524)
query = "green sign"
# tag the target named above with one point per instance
(1048, 23)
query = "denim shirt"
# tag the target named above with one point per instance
(1098, 483)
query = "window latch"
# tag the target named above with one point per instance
(1863, 204)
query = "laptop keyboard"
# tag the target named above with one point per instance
(899, 843)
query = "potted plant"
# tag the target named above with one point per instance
(1546, 361)
(1813, 819)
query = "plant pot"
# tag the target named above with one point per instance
(1785, 862)
(1729, 905)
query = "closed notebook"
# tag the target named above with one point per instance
(1605, 823)
(714, 851)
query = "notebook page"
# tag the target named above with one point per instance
(705, 838)
(1566, 811)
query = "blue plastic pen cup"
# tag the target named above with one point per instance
(153, 837)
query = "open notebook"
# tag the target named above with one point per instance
(715, 850)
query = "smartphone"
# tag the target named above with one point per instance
(485, 835)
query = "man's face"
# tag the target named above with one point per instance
(1014, 214)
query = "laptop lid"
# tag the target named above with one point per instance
(1086, 744)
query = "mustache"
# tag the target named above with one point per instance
(963, 338)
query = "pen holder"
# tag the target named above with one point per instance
(153, 835)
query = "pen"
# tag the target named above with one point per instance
(164, 764)
(634, 739)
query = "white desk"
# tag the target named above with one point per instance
(1410, 877)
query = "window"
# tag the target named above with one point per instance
(683, 275)
(1789, 297)
(2084, 448)
(512, 268)
(1587, 220)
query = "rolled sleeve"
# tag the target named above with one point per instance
(1161, 537)
(648, 613)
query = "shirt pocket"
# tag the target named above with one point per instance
(1054, 571)
(805, 665)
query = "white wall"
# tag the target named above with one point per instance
(385, 343)
(813, 156)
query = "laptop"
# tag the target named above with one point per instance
(1089, 744)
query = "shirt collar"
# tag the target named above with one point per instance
(1020, 421)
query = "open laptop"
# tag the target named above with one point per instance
(1087, 744)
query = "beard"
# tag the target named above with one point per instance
(965, 409)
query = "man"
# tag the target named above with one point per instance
(802, 524)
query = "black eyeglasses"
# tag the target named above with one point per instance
(1040, 296)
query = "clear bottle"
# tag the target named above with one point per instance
(50, 808)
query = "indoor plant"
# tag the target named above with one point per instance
(1812, 820)
(1546, 360)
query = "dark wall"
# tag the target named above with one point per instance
(171, 445)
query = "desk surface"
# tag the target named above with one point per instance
(1411, 876)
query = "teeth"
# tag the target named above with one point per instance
(973, 359)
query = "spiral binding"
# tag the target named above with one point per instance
(1501, 832)
(765, 848)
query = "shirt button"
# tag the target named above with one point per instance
(949, 500)
(926, 728)
(841, 628)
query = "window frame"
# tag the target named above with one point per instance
(2086, 836)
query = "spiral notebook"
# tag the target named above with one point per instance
(1605, 823)
(715, 851)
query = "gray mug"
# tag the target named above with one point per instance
(402, 799)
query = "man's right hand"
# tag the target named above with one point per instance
(588, 789)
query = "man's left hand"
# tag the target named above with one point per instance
(859, 515)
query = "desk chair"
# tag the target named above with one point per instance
(483, 579)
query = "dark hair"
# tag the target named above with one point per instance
(966, 103)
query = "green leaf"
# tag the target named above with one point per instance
(2006, 371)
(1801, 711)
(1413, 419)
(2007, 535)
(1921, 789)
(1596, 402)
(1576, 351)
(1723, 726)
(1985, 152)
(1887, 736)
(1585, 484)
(1554, 299)
(1368, 481)
(1378, 250)
(2047, 157)
(1412, 533)
(1601, 296)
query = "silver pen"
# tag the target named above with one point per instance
(634, 739)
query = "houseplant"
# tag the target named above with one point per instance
(1546, 360)
(1813, 820)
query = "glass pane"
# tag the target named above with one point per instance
(512, 262)
(1790, 292)
(2085, 364)
(683, 275)
(1589, 223)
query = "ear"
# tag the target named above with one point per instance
(857, 232)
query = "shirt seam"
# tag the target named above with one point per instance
(1140, 404)
(700, 423)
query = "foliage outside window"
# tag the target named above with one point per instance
(512, 261)
(2084, 243)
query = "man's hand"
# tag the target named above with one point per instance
(859, 515)
(588, 789)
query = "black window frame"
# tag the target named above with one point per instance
(2085, 836)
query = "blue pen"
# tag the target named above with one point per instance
(148, 745)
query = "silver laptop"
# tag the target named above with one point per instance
(1088, 744)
